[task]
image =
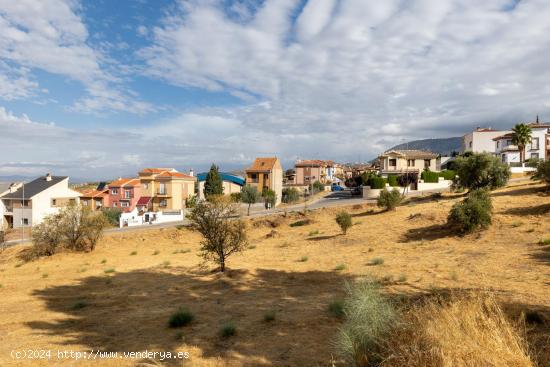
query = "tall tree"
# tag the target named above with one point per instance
(213, 184)
(521, 136)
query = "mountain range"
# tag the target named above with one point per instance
(443, 146)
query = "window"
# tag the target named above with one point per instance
(535, 143)
(145, 186)
(163, 203)
(54, 202)
(534, 156)
(25, 221)
(498, 144)
(427, 163)
(127, 194)
(124, 204)
(162, 188)
(410, 162)
(115, 204)
(114, 191)
(470, 145)
(393, 162)
(85, 202)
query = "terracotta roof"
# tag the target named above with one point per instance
(263, 164)
(124, 182)
(544, 125)
(93, 193)
(156, 170)
(168, 174)
(411, 154)
(505, 136)
(313, 162)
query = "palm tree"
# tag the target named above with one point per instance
(521, 136)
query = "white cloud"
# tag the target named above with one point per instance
(49, 35)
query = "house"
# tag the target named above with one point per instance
(26, 205)
(508, 152)
(481, 140)
(124, 194)
(537, 148)
(309, 171)
(407, 161)
(165, 189)
(95, 199)
(266, 173)
(231, 183)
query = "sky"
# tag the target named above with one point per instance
(99, 89)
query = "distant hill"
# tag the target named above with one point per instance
(443, 146)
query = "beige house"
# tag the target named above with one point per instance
(28, 204)
(165, 189)
(403, 161)
(266, 173)
(232, 184)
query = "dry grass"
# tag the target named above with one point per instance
(465, 331)
(128, 310)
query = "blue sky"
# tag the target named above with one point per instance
(99, 89)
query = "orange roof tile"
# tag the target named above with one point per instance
(124, 182)
(175, 174)
(263, 164)
(93, 193)
(156, 170)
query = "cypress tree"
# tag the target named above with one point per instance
(213, 184)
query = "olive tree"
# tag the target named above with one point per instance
(480, 171)
(543, 172)
(224, 233)
(249, 195)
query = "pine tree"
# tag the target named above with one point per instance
(213, 184)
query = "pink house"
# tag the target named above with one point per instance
(124, 193)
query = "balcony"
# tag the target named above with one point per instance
(162, 193)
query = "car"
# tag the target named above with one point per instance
(336, 187)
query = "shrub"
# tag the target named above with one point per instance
(480, 170)
(472, 213)
(376, 182)
(235, 197)
(317, 187)
(191, 201)
(389, 200)
(303, 259)
(270, 198)
(269, 316)
(223, 236)
(369, 321)
(299, 223)
(181, 318)
(392, 180)
(544, 242)
(112, 215)
(290, 195)
(340, 267)
(46, 237)
(344, 221)
(228, 329)
(543, 172)
(336, 308)
(448, 174)
(377, 261)
(430, 176)
(109, 271)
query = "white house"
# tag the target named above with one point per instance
(508, 152)
(481, 140)
(27, 204)
(539, 148)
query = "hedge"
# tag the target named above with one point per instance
(377, 182)
(447, 174)
(392, 180)
(430, 177)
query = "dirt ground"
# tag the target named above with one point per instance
(119, 297)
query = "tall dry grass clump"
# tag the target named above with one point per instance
(460, 332)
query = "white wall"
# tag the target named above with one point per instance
(42, 202)
(132, 218)
(483, 141)
(539, 133)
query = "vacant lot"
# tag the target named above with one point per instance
(120, 297)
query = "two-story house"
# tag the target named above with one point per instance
(508, 152)
(403, 161)
(266, 173)
(539, 147)
(124, 193)
(96, 199)
(481, 140)
(27, 204)
(165, 189)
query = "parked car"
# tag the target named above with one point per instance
(336, 187)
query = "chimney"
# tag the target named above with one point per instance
(48, 177)
(13, 187)
(191, 173)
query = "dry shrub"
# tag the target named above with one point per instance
(273, 234)
(272, 222)
(464, 331)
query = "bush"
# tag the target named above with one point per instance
(478, 171)
(389, 199)
(269, 316)
(299, 223)
(392, 180)
(317, 187)
(369, 321)
(376, 182)
(448, 174)
(235, 197)
(336, 308)
(430, 176)
(270, 198)
(181, 318)
(344, 221)
(112, 215)
(472, 213)
(543, 172)
(290, 195)
(228, 329)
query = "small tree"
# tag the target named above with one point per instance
(290, 195)
(389, 199)
(521, 136)
(46, 237)
(270, 198)
(112, 215)
(472, 213)
(480, 170)
(223, 236)
(316, 187)
(249, 195)
(213, 184)
(80, 227)
(543, 172)
(344, 221)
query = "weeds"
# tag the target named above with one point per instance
(109, 271)
(376, 261)
(269, 316)
(228, 329)
(181, 318)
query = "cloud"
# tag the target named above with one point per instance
(50, 35)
